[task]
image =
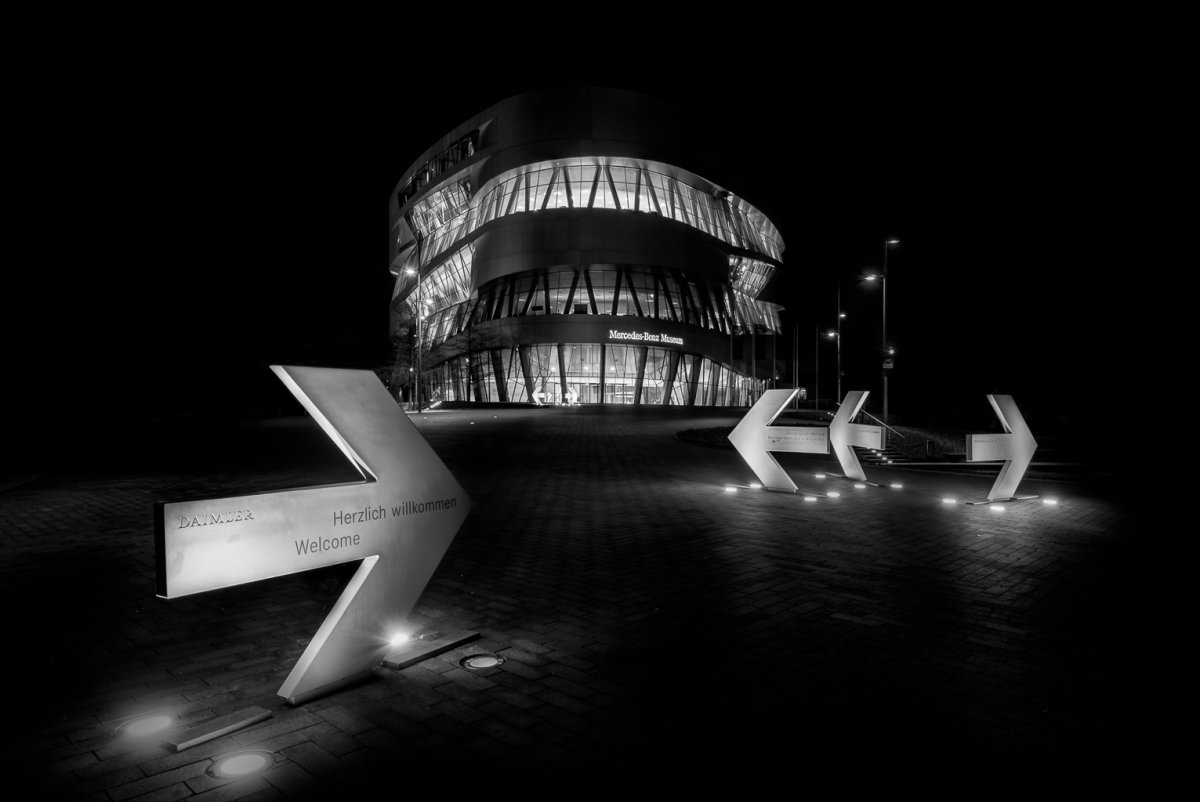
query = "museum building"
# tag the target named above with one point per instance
(554, 250)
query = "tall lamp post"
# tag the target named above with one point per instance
(837, 335)
(816, 368)
(889, 351)
(420, 312)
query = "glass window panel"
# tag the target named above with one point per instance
(557, 189)
(583, 369)
(543, 371)
(682, 384)
(514, 380)
(624, 304)
(658, 363)
(620, 374)
(560, 288)
(483, 383)
(604, 196)
(643, 285)
(580, 181)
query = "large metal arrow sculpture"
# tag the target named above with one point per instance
(843, 434)
(399, 521)
(1015, 447)
(754, 438)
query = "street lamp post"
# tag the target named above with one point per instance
(840, 317)
(417, 317)
(887, 349)
(816, 367)
(837, 338)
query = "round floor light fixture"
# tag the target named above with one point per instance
(481, 662)
(146, 725)
(240, 764)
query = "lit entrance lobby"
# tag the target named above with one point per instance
(591, 373)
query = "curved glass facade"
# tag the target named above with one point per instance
(606, 289)
(450, 214)
(514, 335)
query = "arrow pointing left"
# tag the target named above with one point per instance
(399, 521)
(754, 438)
(843, 434)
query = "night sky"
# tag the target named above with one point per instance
(205, 232)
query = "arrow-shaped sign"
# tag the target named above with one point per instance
(399, 521)
(572, 396)
(754, 438)
(539, 397)
(1015, 446)
(843, 434)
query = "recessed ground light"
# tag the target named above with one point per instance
(1050, 501)
(399, 639)
(146, 725)
(859, 486)
(810, 498)
(997, 508)
(755, 486)
(240, 764)
(896, 485)
(730, 489)
(834, 494)
(478, 662)
(949, 501)
(818, 476)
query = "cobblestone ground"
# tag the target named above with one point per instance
(653, 626)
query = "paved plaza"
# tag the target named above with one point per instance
(654, 627)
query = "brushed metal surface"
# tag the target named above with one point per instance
(755, 438)
(843, 434)
(1016, 447)
(399, 521)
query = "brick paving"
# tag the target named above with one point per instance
(653, 626)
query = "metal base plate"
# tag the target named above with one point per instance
(1000, 500)
(419, 649)
(217, 727)
(849, 479)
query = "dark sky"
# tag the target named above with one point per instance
(203, 233)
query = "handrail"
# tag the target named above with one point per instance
(881, 423)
